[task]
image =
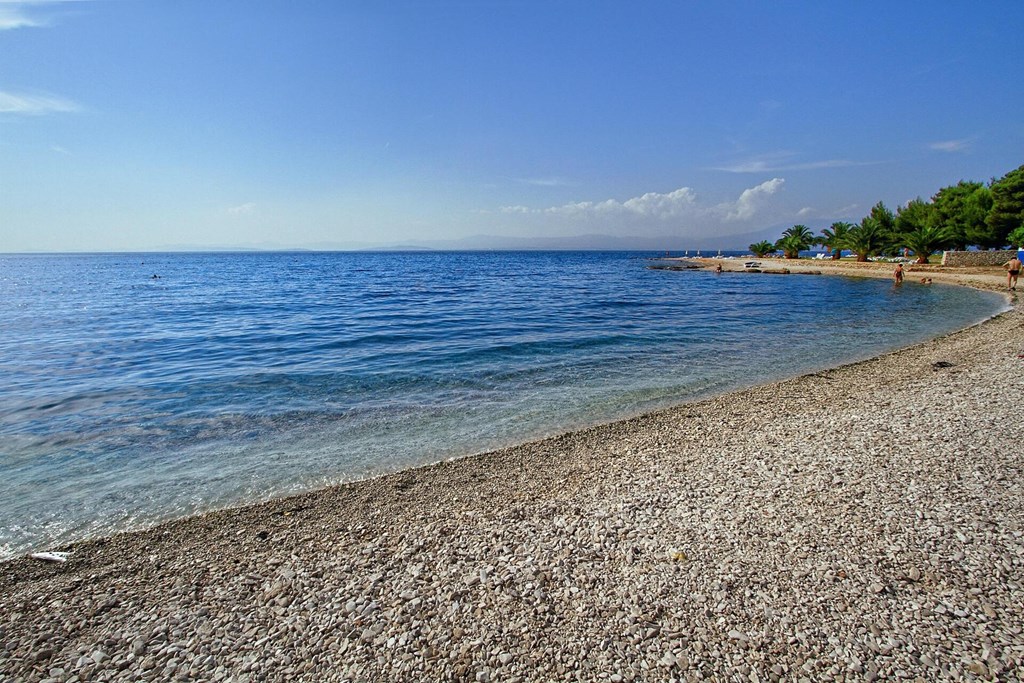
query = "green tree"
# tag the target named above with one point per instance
(790, 246)
(915, 215)
(762, 248)
(833, 238)
(977, 206)
(794, 240)
(801, 232)
(885, 218)
(924, 240)
(867, 239)
(1016, 237)
(962, 210)
(1007, 212)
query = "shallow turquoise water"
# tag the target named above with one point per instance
(126, 398)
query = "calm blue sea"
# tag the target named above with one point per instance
(140, 387)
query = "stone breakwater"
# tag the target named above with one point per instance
(977, 258)
(861, 523)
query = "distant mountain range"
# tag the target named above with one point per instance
(505, 243)
(587, 242)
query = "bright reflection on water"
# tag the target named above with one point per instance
(126, 399)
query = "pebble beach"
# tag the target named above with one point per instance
(861, 523)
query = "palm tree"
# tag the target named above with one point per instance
(926, 239)
(762, 248)
(833, 238)
(790, 246)
(794, 240)
(867, 239)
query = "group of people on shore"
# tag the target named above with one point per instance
(1013, 267)
(897, 276)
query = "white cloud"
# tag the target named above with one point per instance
(783, 161)
(963, 145)
(662, 205)
(34, 105)
(13, 17)
(242, 209)
(650, 205)
(579, 209)
(14, 13)
(806, 211)
(680, 204)
(59, 149)
(750, 200)
(544, 182)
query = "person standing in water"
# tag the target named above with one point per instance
(897, 275)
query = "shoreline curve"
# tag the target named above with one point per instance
(856, 522)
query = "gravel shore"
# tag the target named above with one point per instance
(861, 523)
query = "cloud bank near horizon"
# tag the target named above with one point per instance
(658, 207)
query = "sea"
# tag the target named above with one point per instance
(136, 388)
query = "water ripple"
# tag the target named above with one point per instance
(231, 377)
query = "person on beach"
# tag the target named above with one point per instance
(718, 268)
(1012, 271)
(897, 275)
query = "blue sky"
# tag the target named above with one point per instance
(137, 124)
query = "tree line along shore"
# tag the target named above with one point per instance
(968, 214)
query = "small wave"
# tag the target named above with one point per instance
(256, 374)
